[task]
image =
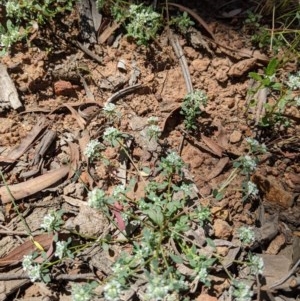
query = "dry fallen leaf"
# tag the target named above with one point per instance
(273, 191)
(22, 190)
(28, 247)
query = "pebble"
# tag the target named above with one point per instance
(235, 137)
(222, 229)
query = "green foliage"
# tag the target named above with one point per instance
(143, 23)
(281, 92)
(52, 221)
(84, 292)
(278, 29)
(183, 22)
(27, 14)
(191, 108)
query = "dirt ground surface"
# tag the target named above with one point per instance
(63, 90)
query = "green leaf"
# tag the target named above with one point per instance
(255, 76)
(272, 67)
(156, 215)
(210, 242)
(277, 86)
(176, 258)
(218, 195)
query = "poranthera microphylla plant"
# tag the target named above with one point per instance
(161, 218)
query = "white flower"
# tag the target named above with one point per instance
(294, 81)
(91, 149)
(61, 247)
(109, 108)
(297, 99)
(111, 134)
(249, 164)
(81, 292)
(96, 198)
(119, 192)
(242, 291)
(256, 264)
(252, 189)
(152, 120)
(202, 275)
(27, 262)
(49, 221)
(173, 158)
(256, 146)
(34, 272)
(153, 131)
(12, 7)
(246, 235)
(112, 290)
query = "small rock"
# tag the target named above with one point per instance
(222, 251)
(63, 88)
(200, 65)
(235, 137)
(191, 53)
(205, 191)
(222, 229)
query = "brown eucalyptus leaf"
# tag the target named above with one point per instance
(32, 186)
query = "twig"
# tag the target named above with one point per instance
(122, 92)
(88, 52)
(183, 63)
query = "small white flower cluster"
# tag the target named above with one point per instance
(112, 290)
(186, 189)
(61, 248)
(199, 97)
(9, 37)
(256, 264)
(242, 291)
(159, 287)
(252, 189)
(111, 134)
(119, 193)
(111, 112)
(81, 292)
(256, 146)
(248, 163)
(33, 269)
(109, 108)
(143, 17)
(294, 81)
(202, 275)
(152, 120)
(173, 159)
(153, 130)
(52, 221)
(246, 235)
(96, 198)
(92, 149)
